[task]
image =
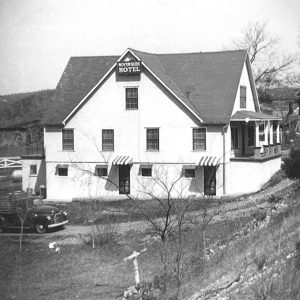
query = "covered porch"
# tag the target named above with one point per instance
(254, 136)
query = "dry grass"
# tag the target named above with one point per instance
(79, 271)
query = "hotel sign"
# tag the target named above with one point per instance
(129, 68)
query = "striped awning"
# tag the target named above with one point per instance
(122, 160)
(208, 161)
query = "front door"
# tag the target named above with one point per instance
(124, 179)
(209, 181)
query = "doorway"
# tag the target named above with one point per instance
(210, 180)
(124, 179)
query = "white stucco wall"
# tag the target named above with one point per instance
(106, 110)
(247, 176)
(30, 181)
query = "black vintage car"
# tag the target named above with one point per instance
(39, 217)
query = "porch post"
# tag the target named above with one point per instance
(266, 132)
(256, 134)
(271, 133)
(277, 134)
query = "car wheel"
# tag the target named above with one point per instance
(40, 228)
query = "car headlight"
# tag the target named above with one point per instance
(48, 218)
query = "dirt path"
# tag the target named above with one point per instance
(241, 207)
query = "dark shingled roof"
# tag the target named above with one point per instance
(206, 82)
(79, 77)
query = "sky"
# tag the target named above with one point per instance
(37, 37)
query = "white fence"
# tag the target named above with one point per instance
(10, 162)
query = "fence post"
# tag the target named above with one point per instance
(134, 256)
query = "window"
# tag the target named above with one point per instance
(131, 98)
(251, 136)
(68, 139)
(147, 171)
(33, 170)
(101, 171)
(262, 132)
(242, 96)
(62, 170)
(189, 173)
(107, 140)
(153, 139)
(234, 138)
(199, 139)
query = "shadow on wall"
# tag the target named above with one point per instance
(112, 177)
(41, 177)
(196, 184)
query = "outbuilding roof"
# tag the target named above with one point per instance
(206, 82)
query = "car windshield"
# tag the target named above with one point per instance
(37, 202)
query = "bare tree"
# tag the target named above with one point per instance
(263, 49)
(21, 205)
(168, 214)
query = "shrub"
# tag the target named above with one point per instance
(103, 234)
(260, 261)
(291, 164)
(275, 179)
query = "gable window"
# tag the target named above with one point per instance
(153, 139)
(234, 138)
(107, 140)
(62, 170)
(101, 171)
(68, 139)
(251, 136)
(242, 96)
(261, 132)
(33, 170)
(199, 138)
(131, 98)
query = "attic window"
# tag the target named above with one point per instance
(131, 98)
(242, 96)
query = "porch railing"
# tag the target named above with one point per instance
(34, 150)
(268, 151)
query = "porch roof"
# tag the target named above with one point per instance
(246, 116)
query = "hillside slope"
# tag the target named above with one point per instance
(19, 108)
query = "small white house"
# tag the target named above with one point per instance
(136, 123)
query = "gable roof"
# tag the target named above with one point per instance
(78, 79)
(206, 83)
